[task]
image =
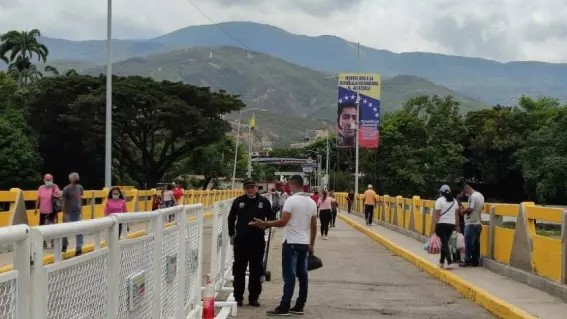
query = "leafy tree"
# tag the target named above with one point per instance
(215, 160)
(155, 124)
(17, 49)
(19, 158)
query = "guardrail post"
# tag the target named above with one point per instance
(422, 212)
(564, 248)
(92, 202)
(157, 229)
(495, 221)
(113, 270)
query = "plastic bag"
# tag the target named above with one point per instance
(460, 242)
(426, 246)
(434, 245)
(313, 262)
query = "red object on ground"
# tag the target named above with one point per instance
(209, 301)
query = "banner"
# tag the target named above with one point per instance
(368, 86)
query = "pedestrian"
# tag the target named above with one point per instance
(299, 222)
(445, 219)
(334, 209)
(369, 204)
(248, 242)
(72, 209)
(350, 200)
(47, 203)
(325, 206)
(168, 199)
(473, 226)
(115, 204)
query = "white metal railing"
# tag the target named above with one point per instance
(14, 284)
(222, 257)
(154, 272)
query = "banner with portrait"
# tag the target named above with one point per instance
(368, 86)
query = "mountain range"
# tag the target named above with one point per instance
(488, 81)
(296, 98)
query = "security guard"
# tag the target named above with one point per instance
(249, 242)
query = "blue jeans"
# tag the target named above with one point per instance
(472, 244)
(73, 217)
(294, 264)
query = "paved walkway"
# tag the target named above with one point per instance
(533, 301)
(361, 279)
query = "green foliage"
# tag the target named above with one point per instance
(155, 124)
(19, 159)
(17, 49)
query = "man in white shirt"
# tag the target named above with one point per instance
(473, 227)
(299, 222)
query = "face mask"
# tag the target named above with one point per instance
(115, 196)
(48, 183)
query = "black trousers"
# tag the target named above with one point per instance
(46, 219)
(333, 216)
(349, 205)
(325, 217)
(248, 253)
(444, 232)
(368, 213)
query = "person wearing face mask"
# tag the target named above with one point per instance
(115, 204)
(47, 194)
(248, 242)
(72, 207)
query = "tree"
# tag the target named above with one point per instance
(17, 48)
(215, 160)
(155, 124)
(19, 158)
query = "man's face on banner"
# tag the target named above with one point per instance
(347, 120)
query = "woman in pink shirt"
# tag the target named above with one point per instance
(325, 203)
(46, 194)
(115, 204)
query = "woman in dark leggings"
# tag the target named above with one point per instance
(334, 209)
(445, 221)
(325, 206)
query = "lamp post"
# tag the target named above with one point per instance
(237, 140)
(318, 170)
(357, 121)
(108, 136)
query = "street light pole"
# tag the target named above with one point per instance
(108, 136)
(236, 149)
(327, 161)
(357, 121)
(237, 140)
(249, 174)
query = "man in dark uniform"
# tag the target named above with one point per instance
(249, 242)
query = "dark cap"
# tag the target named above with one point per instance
(248, 181)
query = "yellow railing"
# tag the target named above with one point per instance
(21, 203)
(520, 247)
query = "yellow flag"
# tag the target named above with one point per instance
(253, 121)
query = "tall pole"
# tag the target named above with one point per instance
(250, 149)
(327, 160)
(236, 150)
(357, 120)
(108, 139)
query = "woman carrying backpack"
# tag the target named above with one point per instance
(445, 222)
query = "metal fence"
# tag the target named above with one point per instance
(152, 272)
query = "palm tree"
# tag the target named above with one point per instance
(17, 49)
(22, 43)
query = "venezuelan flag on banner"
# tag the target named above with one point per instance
(368, 86)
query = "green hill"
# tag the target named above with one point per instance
(268, 82)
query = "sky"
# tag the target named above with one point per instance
(502, 30)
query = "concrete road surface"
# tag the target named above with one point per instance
(361, 279)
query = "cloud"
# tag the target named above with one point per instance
(499, 29)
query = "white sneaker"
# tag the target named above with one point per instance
(325, 237)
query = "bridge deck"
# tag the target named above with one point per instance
(361, 279)
(533, 301)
